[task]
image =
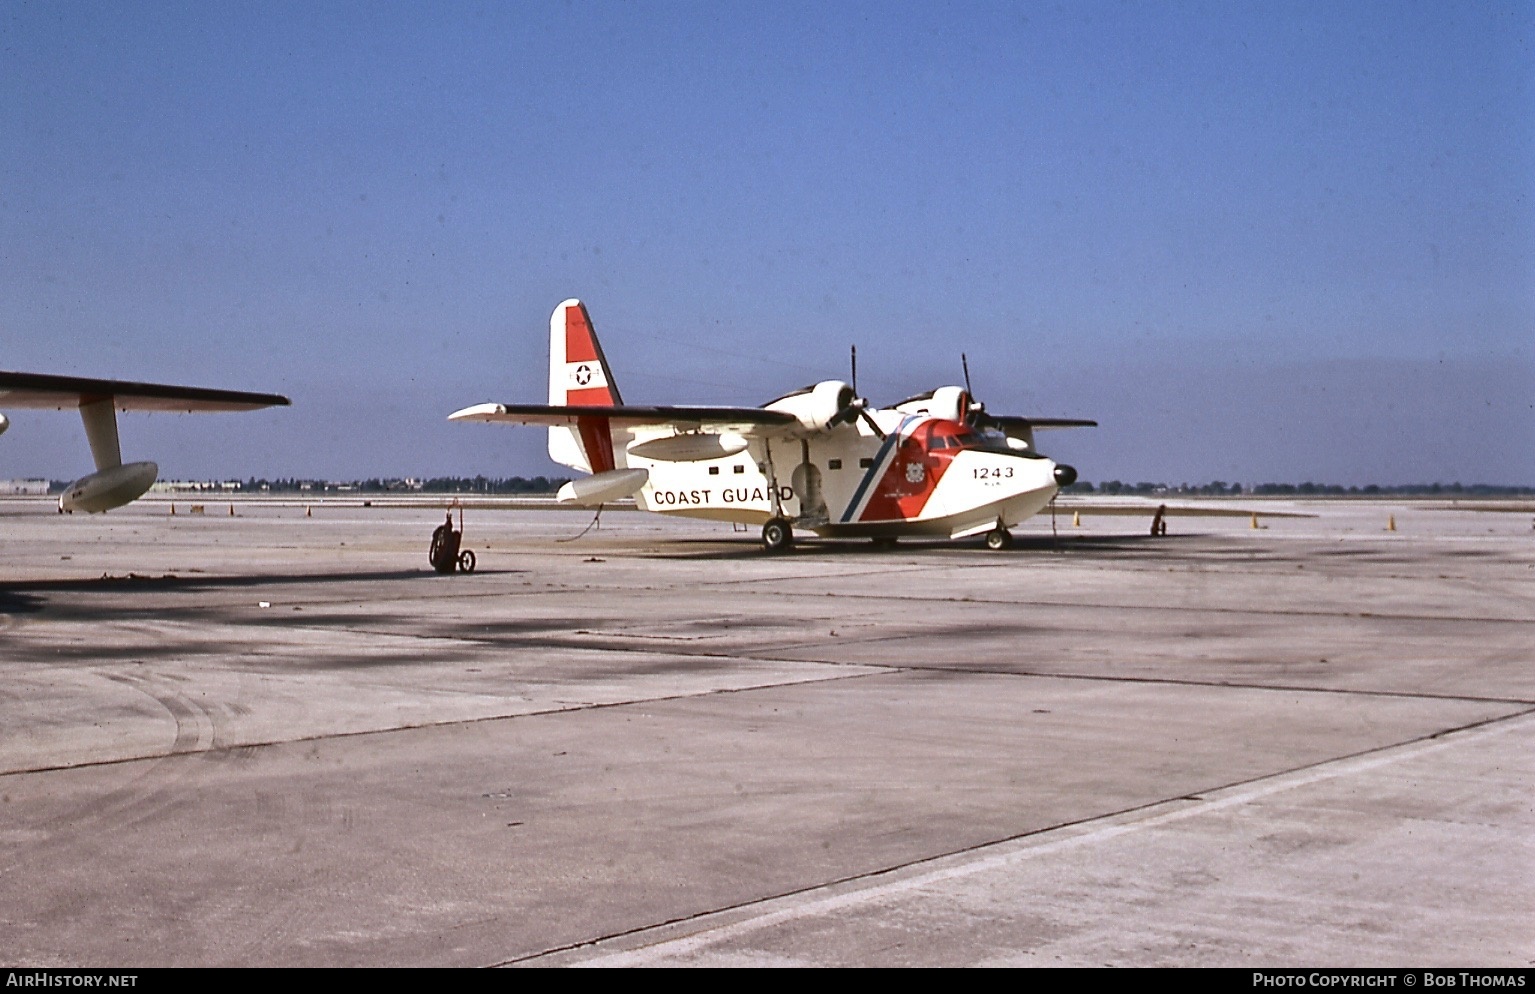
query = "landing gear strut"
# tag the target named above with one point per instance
(998, 539)
(777, 535)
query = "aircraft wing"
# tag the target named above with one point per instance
(1012, 421)
(746, 421)
(39, 390)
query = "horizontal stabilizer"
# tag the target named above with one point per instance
(40, 390)
(603, 487)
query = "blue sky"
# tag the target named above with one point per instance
(1257, 241)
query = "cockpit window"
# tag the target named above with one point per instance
(989, 442)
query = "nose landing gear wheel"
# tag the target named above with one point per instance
(998, 539)
(466, 561)
(777, 536)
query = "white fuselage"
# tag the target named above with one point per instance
(854, 483)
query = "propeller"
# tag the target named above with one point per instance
(857, 406)
(1021, 428)
(976, 417)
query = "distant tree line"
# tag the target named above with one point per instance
(1220, 488)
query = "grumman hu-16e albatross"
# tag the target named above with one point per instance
(819, 459)
(115, 484)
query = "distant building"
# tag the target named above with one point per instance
(24, 487)
(195, 486)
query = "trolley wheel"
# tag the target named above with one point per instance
(998, 539)
(777, 535)
(466, 560)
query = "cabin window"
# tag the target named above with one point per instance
(740, 469)
(834, 464)
(714, 471)
(865, 463)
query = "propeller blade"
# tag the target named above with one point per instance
(857, 409)
(869, 420)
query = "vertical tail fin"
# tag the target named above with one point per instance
(578, 371)
(579, 375)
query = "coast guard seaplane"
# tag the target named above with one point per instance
(818, 459)
(114, 483)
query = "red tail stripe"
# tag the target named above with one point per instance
(595, 396)
(580, 342)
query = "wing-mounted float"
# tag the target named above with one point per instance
(817, 459)
(115, 483)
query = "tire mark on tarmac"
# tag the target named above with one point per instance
(246, 748)
(145, 795)
(194, 723)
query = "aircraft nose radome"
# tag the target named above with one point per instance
(1065, 475)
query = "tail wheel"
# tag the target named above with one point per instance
(466, 561)
(777, 535)
(998, 539)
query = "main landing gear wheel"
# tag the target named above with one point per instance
(466, 561)
(777, 536)
(998, 539)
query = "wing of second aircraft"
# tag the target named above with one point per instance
(98, 401)
(41, 390)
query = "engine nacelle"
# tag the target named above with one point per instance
(817, 407)
(109, 488)
(5, 423)
(948, 403)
